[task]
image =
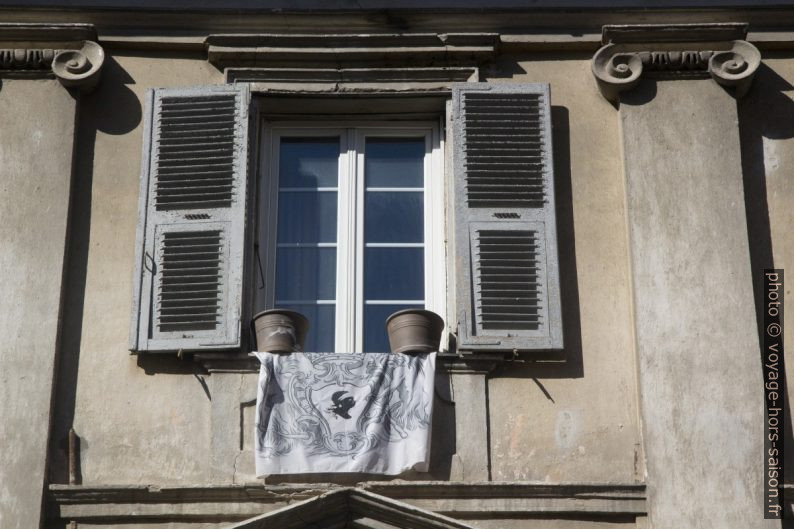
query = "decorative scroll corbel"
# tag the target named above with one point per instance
(735, 67)
(616, 71)
(619, 66)
(79, 69)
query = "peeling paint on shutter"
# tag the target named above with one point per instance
(192, 227)
(506, 264)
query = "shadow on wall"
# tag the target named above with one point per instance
(111, 109)
(766, 112)
(570, 364)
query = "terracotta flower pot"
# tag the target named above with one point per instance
(280, 331)
(414, 331)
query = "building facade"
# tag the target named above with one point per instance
(636, 154)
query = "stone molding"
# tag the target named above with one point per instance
(351, 507)
(379, 80)
(345, 51)
(67, 51)
(227, 362)
(469, 363)
(676, 51)
(448, 362)
(471, 500)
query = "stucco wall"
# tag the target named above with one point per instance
(158, 423)
(146, 420)
(150, 420)
(35, 177)
(577, 421)
(766, 119)
(139, 420)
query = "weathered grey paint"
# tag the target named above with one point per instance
(153, 223)
(469, 220)
(699, 359)
(36, 166)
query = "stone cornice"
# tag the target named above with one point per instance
(342, 50)
(529, 29)
(134, 503)
(674, 51)
(420, 80)
(469, 363)
(68, 51)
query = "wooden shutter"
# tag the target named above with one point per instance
(192, 221)
(506, 264)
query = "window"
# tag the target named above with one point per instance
(351, 220)
(351, 223)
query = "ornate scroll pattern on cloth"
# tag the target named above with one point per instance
(333, 412)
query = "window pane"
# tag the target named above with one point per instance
(307, 216)
(305, 274)
(394, 273)
(308, 162)
(321, 335)
(394, 216)
(394, 162)
(376, 340)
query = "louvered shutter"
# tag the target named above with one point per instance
(192, 227)
(506, 264)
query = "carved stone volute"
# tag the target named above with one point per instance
(623, 60)
(735, 67)
(68, 51)
(79, 68)
(616, 71)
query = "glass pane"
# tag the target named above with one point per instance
(305, 273)
(394, 162)
(308, 162)
(307, 216)
(321, 335)
(376, 340)
(394, 216)
(394, 273)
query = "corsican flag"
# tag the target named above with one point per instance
(330, 412)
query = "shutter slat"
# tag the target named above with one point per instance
(488, 117)
(180, 120)
(518, 268)
(195, 250)
(194, 188)
(504, 150)
(505, 234)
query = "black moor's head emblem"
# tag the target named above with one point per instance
(341, 405)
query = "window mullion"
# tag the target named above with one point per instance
(435, 253)
(358, 246)
(346, 271)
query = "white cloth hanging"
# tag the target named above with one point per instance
(334, 412)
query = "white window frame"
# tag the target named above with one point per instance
(350, 225)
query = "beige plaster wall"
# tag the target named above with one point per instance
(140, 421)
(577, 421)
(148, 420)
(36, 131)
(766, 119)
